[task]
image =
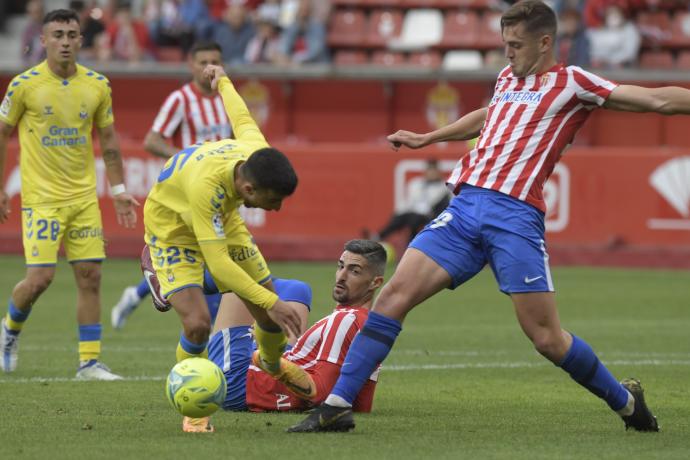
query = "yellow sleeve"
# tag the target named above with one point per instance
(12, 106)
(230, 277)
(243, 125)
(104, 114)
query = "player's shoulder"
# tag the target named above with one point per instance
(92, 78)
(28, 78)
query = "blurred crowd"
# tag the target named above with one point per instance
(592, 33)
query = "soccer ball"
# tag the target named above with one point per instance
(196, 387)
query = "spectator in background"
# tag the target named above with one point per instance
(594, 11)
(234, 33)
(32, 51)
(91, 26)
(425, 197)
(263, 47)
(176, 22)
(304, 40)
(572, 42)
(127, 39)
(616, 43)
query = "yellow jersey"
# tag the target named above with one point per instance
(194, 200)
(55, 117)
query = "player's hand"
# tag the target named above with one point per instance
(125, 209)
(214, 73)
(4, 206)
(406, 138)
(285, 316)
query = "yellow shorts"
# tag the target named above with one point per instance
(182, 266)
(79, 224)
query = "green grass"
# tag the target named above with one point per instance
(483, 394)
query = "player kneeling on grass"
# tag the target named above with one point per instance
(192, 222)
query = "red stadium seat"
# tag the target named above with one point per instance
(347, 28)
(350, 57)
(490, 36)
(427, 59)
(388, 59)
(381, 3)
(383, 25)
(683, 61)
(460, 30)
(446, 4)
(656, 60)
(680, 30)
(655, 27)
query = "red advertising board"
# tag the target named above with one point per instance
(598, 198)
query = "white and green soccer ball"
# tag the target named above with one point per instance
(196, 387)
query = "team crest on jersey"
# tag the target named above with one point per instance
(544, 80)
(171, 276)
(217, 222)
(34, 251)
(5, 106)
(48, 110)
(83, 114)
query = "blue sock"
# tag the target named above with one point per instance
(143, 289)
(368, 350)
(191, 348)
(16, 314)
(213, 302)
(89, 332)
(586, 369)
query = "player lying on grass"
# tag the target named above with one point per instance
(320, 350)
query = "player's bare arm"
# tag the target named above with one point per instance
(123, 201)
(155, 144)
(667, 100)
(467, 127)
(5, 133)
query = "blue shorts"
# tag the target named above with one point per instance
(231, 349)
(483, 226)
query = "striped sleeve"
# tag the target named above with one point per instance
(590, 88)
(170, 115)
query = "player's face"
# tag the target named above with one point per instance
(62, 41)
(354, 280)
(264, 199)
(523, 49)
(198, 63)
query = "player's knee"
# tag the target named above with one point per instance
(38, 284)
(197, 328)
(548, 344)
(89, 277)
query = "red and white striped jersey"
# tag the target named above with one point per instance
(190, 117)
(530, 121)
(320, 351)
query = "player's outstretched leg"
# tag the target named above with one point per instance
(128, 302)
(296, 379)
(326, 418)
(641, 419)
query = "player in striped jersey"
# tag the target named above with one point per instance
(497, 217)
(191, 114)
(320, 350)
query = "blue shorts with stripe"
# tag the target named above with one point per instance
(231, 349)
(483, 226)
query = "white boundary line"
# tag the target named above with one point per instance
(393, 368)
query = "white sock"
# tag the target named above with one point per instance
(337, 401)
(629, 407)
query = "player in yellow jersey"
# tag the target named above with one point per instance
(55, 106)
(192, 221)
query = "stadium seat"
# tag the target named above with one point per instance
(655, 27)
(347, 28)
(388, 59)
(350, 57)
(347, 3)
(683, 60)
(462, 60)
(656, 60)
(426, 59)
(381, 3)
(383, 25)
(460, 30)
(680, 30)
(490, 31)
(422, 28)
(446, 4)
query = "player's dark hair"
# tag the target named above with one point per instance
(538, 17)
(204, 46)
(61, 15)
(270, 169)
(373, 252)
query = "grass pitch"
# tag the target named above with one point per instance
(461, 382)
